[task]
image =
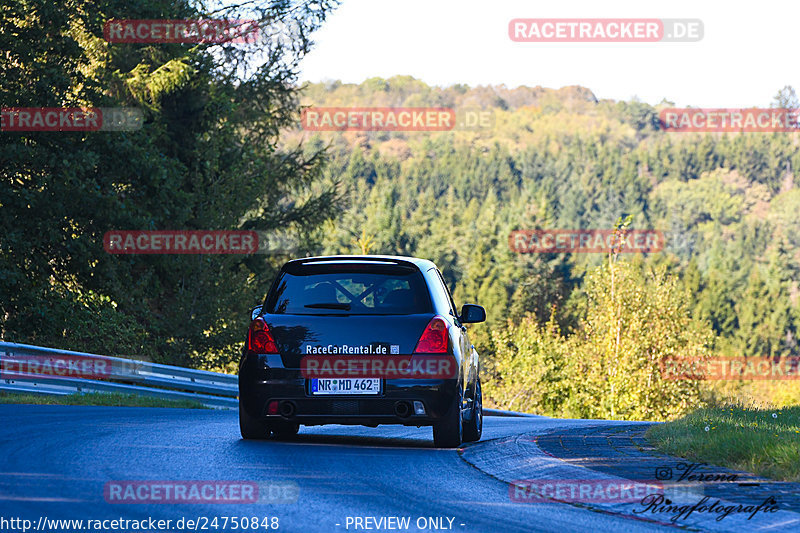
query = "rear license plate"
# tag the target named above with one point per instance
(321, 386)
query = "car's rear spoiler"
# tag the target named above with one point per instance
(297, 264)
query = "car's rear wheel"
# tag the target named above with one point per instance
(473, 428)
(448, 432)
(284, 430)
(251, 428)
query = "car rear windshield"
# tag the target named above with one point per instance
(349, 289)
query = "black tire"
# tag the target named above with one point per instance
(282, 430)
(251, 428)
(473, 428)
(448, 432)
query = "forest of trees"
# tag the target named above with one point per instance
(205, 159)
(729, 206)
(221, 148)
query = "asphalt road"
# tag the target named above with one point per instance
(56, 461)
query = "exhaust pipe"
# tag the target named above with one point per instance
(287, 409)
(402, 409)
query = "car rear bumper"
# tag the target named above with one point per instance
(394, 405)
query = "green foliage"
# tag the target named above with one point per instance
(206, 159)
(528, 370)
(635, 318)
(765, 441)
(98, 398)
(220, 150)
(728, 204)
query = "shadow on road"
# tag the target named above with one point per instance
(424, 440)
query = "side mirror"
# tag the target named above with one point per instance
(471, 313)
(254, 312)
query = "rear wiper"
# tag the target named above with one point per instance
(330, 305)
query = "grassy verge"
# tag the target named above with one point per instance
(763, 441)
(111, 399)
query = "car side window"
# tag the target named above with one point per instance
(447, 292)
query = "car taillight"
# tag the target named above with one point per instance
(259, 339)
(434, 338)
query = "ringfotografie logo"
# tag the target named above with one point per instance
(692, 472)
(657, 504)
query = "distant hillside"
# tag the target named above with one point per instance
(407, 91)
(519, 115)
(559, 158)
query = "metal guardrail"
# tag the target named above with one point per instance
(498, 412)
(38, 370)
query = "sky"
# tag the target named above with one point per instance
(748, 51)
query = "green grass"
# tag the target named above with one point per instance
(765, 442)
(110, 399)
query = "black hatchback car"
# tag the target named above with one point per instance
(361, 340)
